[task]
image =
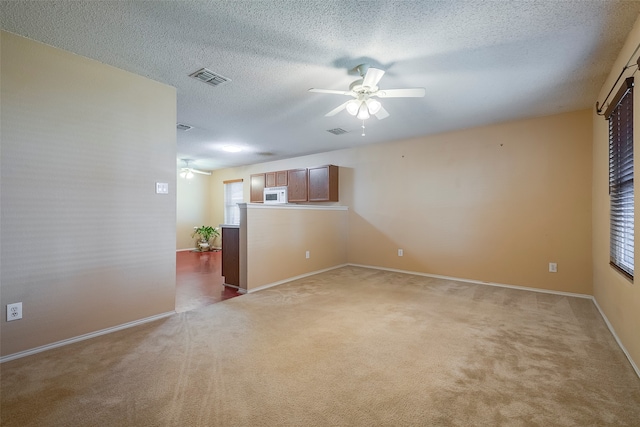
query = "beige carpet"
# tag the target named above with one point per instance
(349, 347)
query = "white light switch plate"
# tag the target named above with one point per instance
(162, 188)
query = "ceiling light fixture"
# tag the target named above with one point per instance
(232, 148)
(363, 107)
(353, 106)
(373, 105)
(186, 173)
(363, 112)
(363, 90)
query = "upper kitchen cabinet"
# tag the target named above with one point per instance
(317, 184)
(277, 179)
(297, 185)
(323, 184)
(257, 188)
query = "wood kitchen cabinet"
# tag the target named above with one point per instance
(231, 255)
(270, 179)
(323, 184)
(276, 179)
(257, 188)
(297, 185)
(282, 178)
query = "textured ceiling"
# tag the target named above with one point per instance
(481, 62)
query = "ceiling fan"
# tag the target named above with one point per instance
(187, 172)
(364, 90)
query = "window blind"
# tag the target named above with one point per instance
(620, 116)
(232, 196)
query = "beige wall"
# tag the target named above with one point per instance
(277, 239)
(86, 242)
(193, 204)
(617, 297)
(496, 203)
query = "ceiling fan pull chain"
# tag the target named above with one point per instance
(363, 128)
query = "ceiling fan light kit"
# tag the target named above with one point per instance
(188, 173)
(363, 112)
(352, 107)
(363, 90)
(373, 105)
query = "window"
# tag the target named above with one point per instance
(232, 196)
(620, 116)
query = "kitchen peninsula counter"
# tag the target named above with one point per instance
(281, 242)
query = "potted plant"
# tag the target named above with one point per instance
(205, 233)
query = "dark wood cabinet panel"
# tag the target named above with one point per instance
(231, 255)
(257, 188)
(297, 185)
(323, 184)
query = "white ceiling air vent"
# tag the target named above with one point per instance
(337, 131)
(183, 127)
(209, 77)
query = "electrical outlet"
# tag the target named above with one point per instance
(307, 254)
(553, 267)
(400, 252)
(14, 311)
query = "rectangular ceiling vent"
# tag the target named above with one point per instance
(337, 131)
(209, 77)
(184, 127)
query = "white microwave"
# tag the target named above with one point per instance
(276, 195)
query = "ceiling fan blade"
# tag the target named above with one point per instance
(417, 92)
(372, 77)
(337, 109)
(335, 92)
(382, 114)
(200, 172)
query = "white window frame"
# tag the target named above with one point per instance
(233, 194)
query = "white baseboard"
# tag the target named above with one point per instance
(613, 332)
(291, 279)
(479, 282)
(524, 288)
(84, 337)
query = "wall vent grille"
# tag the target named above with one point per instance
(209, 77)
(337, 131)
